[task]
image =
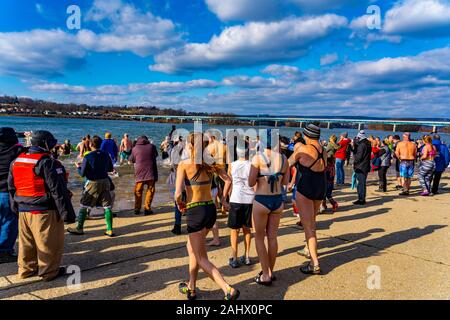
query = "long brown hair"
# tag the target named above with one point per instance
(197, 139)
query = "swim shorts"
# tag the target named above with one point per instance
(240, 215)
(96, 193)
(407, 169)
(200, 215)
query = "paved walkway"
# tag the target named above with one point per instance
(406, 239)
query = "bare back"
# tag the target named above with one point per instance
(406, 150)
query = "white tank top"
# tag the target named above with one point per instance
(241, 192)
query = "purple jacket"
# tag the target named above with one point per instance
(144, 156)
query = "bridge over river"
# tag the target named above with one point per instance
(279, 121)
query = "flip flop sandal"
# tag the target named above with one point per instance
(233, 296)
(263, 283)
(274, 278)
(184, 289)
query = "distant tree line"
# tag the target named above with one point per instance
(42, 105)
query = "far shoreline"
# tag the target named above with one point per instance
(222, 121)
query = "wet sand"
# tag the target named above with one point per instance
(406, 238)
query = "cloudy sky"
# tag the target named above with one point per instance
(279, 57)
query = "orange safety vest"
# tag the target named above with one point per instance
(26, 181)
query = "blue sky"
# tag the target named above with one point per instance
(287, 57)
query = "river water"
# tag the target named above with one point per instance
(75, 129)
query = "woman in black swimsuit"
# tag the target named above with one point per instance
(196, 176)
(311, 189)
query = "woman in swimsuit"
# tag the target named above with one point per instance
(196, 176)
(427, 165)
(311, 189)
(268, 173)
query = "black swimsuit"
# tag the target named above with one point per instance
(200, 215)
(311, 184)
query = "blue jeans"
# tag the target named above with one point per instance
(177, 215)
(340, 173)
(361, 178)
(8, 225)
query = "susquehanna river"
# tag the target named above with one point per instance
(75, 129)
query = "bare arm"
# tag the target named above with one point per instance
(179, 187)
(254, 169)
(286, 173)
(226, 188)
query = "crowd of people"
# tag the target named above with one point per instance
(247, 179)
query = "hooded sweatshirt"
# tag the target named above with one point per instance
(144, 156)
(442, 157)
(8, 153)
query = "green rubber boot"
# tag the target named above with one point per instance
(109, 222)
(80, 222)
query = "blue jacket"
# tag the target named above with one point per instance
(442, 158)
(109, 145)
(96, 165)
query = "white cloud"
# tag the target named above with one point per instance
(244, 9)
(329, 59)
(44, 53)
(282, 71)
(391, 84)
(419, 18)
(49, 53)
(264, 10)
(130, 30)
(250, 44)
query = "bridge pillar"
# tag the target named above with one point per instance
(276, 123)
(434, 129)
(395, 128)
(301, 124)
(359, 126)
(329, 125)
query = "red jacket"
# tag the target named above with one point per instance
(341, 153)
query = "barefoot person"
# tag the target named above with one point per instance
(241, 200)
(195, 176)
(268, 173)
(311, 189)
(125, 148)
(406, 153)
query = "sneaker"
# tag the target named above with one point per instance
(425, 194)
(359, 202)
(398, 187)
(299, 224)
(233, 263)
(245, 260)
(148, 212)
(75, 231)
(404, 193)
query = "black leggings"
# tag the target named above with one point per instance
(382, 176)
